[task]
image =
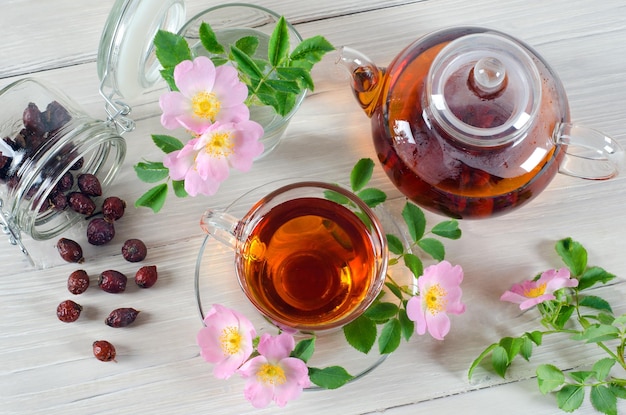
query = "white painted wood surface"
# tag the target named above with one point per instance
(46, 367)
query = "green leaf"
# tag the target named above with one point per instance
(535, 336)
(406, 325)
(592, 276)
(394, 290)
(245, 64)
(433, 247)
(179, 188)
(390, 337)
(310, 51)
(280, 85)
(361, 174)
(331, 377)
(480, 358)
(598, 333)
(248, 45)
(151, 172)
(372, 197)
(382, 311)
(618, 390)
(153, 198)
(603, 400)
(570, 397)
(278, 48)
(168, 76)
(595, 302)
(415, 221)
(448, 229)
(336, 197)
(581, 376)
(167, 143)
(512, 345)
(394, 244)
(361, 334)
(300, 75)
(564, 315)
(549, 378)
(603, 367)
(209, 40)
(500, 360)
(171, 49)
(414, 264)
(526, 348)
(304, 349)
(573, 254)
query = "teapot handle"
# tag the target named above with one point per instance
(590, 154)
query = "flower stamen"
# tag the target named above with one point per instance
(536, 291)
(220, 144)
(271, 374)
(206, 105)
(231, 340)
(435, 299)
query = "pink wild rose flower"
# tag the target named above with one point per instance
(439, 295)
(273, 375)
(206, 94)
(226, 340)
(530, 293)
(204, 162)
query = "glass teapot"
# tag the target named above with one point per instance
(472, 123)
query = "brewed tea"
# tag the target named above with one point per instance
(308, 262)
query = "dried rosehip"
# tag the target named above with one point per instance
(112, 281)
(100, 231)
(89, 185)
(146, 276)
(78, 164)
(103, 350)
(134, 250)
(58, 201)
(33, 120)
(113, 208)
(81, 203)
(78, 282)
(70, 250)
(121, 317)
(68, 311)
(65, 183)
(55, 116)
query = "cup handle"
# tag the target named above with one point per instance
(590, 154)
(220, 225)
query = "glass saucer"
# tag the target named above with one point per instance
(216, 283)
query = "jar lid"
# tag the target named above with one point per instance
(484, 89)
(127, 63)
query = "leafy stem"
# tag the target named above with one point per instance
(564, 315)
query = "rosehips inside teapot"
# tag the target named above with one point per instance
(471, 123)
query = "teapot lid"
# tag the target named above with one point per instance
(483, 89)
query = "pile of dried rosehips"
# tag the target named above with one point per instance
(100, 231)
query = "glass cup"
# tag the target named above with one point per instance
(309, 256)
(231, 22)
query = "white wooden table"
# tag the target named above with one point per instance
(46, 367)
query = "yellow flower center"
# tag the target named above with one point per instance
(231, 340)
(271, 374)
(206, 105)
(220, 144)
(536, 292)
(435, 299)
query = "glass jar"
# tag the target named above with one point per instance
(47, 141)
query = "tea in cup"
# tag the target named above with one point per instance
(310, 256)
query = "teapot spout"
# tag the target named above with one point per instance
(366, 77)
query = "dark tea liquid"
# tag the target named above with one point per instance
(444, 175)
(309, 262)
